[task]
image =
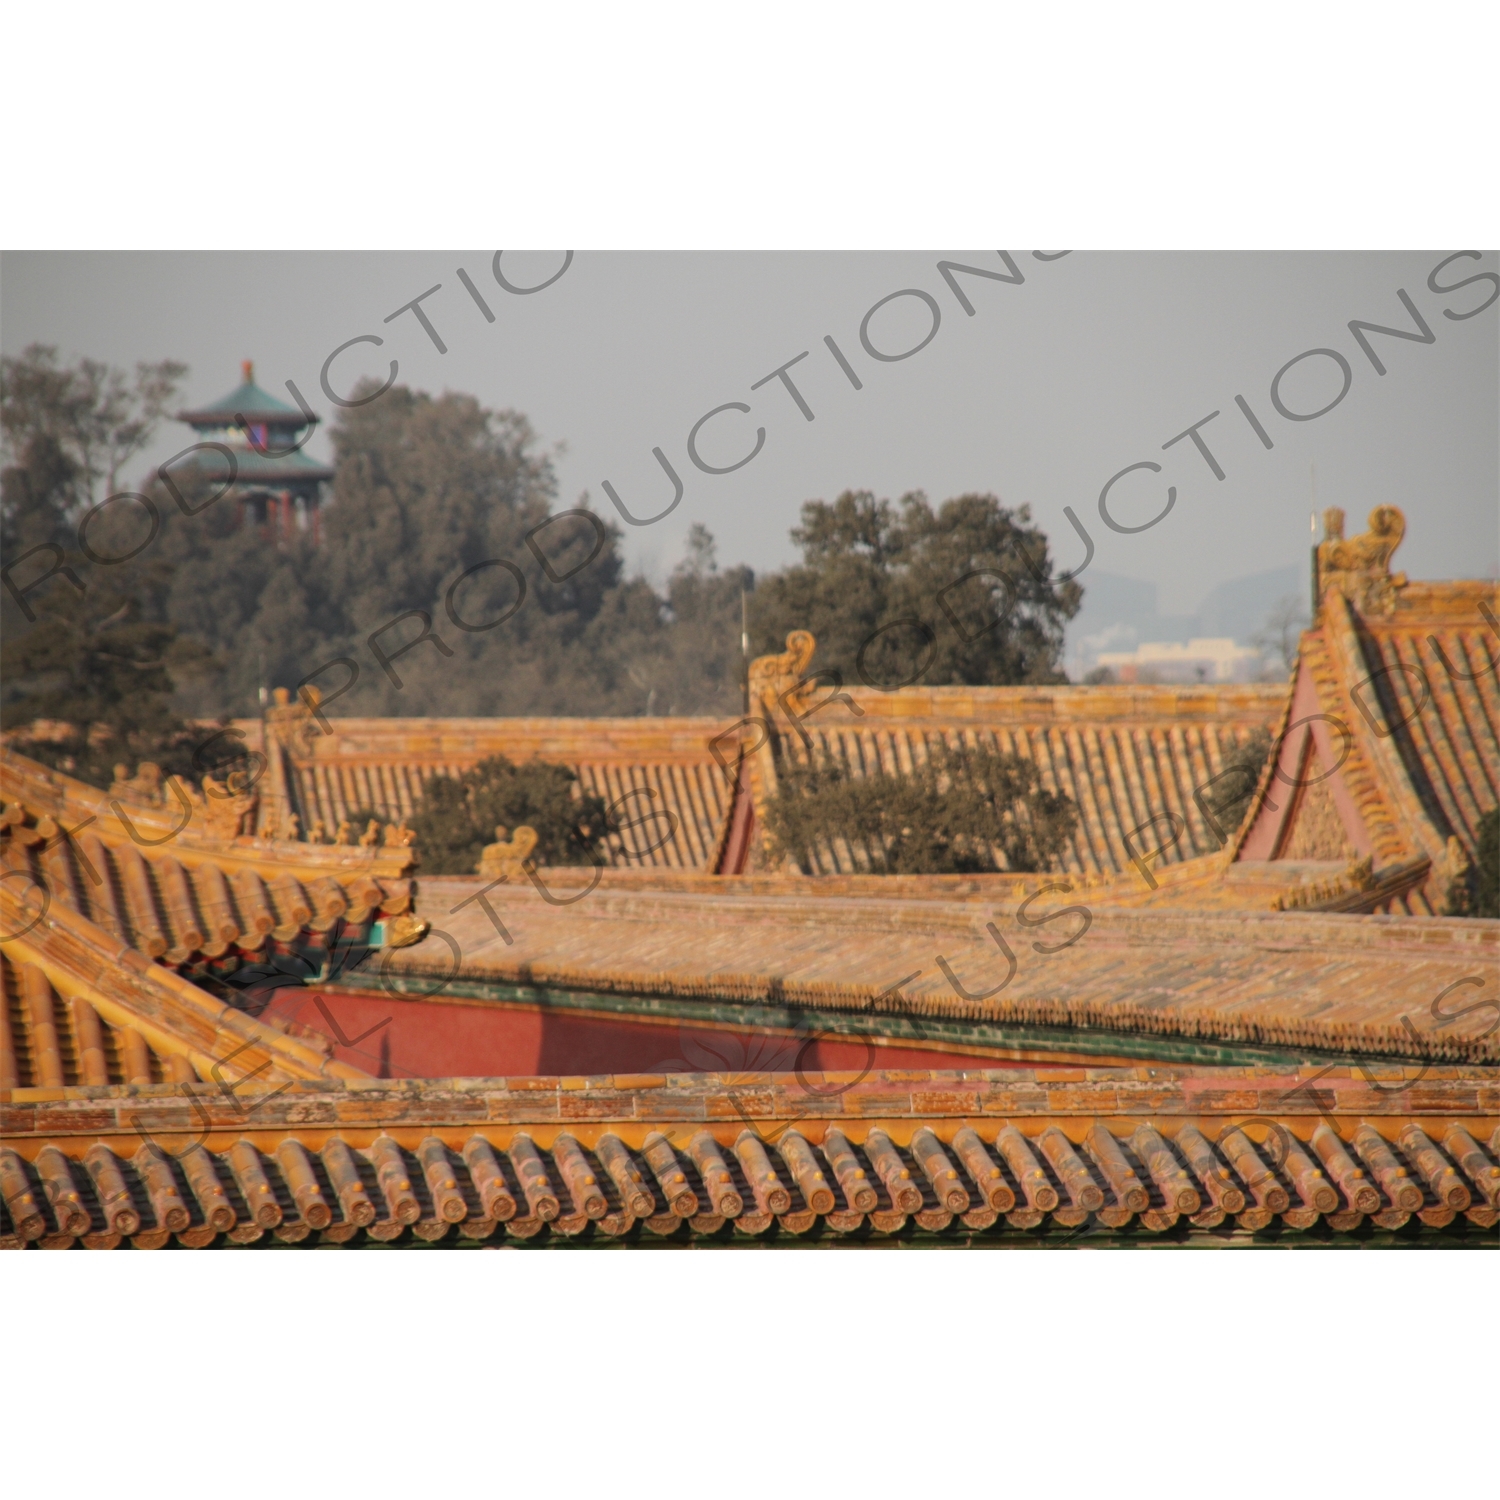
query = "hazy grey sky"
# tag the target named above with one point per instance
(1049, 389)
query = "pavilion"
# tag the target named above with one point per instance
(254, 443)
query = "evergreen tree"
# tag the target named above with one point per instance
(1487, 872)
(906, 594)
(964, 809)
(93, 648)
(1239, 775)
(429, 490)
(458, 815)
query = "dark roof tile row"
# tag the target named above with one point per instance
(994, 1181)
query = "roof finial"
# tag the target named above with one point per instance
(1359, 567)
(247, 369)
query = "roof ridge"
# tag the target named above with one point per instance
(1337, 650)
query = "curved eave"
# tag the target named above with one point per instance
(230, 416)
(283, 475)
(253, 469)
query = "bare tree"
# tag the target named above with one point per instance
(1282, 632)
(93, 416)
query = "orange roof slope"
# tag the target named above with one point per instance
(1130, 758)
(1309, 982)
(164, 881)
(1125, 755)
(659, 774)
(1389, 749)
(95, 927)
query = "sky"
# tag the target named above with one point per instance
(1060, 379)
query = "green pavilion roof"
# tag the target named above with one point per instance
(249, 401)
(258, 469)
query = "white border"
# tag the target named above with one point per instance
(746, 1374)
(1289, 123)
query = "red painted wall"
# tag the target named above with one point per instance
(402, 1038)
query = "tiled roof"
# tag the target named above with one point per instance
(659, 774)
(117, 1019)
(83, 1008)
(1129, 757)
(46, 1042)
(256, 408)
(253, 468)
(246, 400)
(1125, 754)
(1404, 678)
(981, 1157)
(104, 902)
(1312, 982)
(173, 889)
(1433, 664)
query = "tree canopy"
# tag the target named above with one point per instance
(94, 646)
(1487, 866)
(902, 593)
(459, 815)
(432, 507)
(964, 809)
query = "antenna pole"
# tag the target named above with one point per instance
(745, 650)
(1312, 521)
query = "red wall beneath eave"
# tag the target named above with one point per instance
(393, 1037)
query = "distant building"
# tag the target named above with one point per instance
(1203, 659)
(1120, 614)
(278, 487)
